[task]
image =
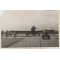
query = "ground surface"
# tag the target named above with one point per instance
(35, 41)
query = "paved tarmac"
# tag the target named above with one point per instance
(35, 41)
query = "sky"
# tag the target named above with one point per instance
(25, 19)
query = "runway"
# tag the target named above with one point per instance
(35, 41)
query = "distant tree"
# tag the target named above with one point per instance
(33, 29)
(2, 33)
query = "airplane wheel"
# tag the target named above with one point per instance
(27, 34)
(38, 34)
(48, 37)
(42, 37)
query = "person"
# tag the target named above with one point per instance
(14, 34)
(6, 33)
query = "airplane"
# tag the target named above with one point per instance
(27, 33)
(45, 33)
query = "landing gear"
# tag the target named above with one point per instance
(45, 37)
(38, 34)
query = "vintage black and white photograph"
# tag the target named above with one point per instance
(29, 28)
